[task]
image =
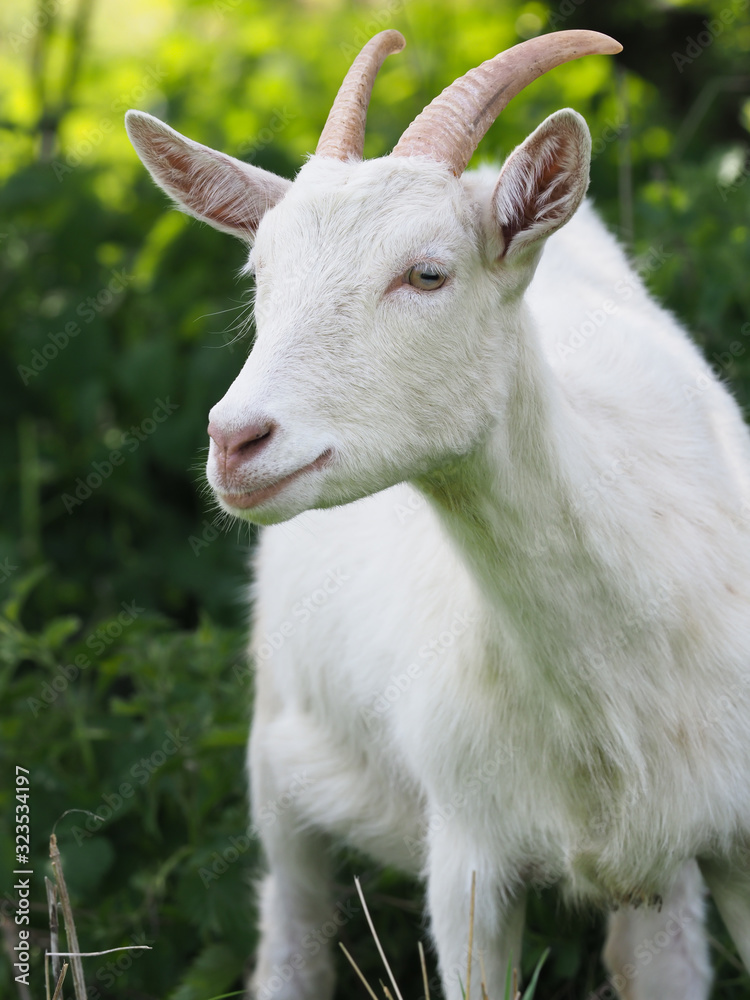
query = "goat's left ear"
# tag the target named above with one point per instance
(542, 182)
(224, 192)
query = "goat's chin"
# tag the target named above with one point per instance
(265, 514)
(317, 489)
(277, 502)
(273, 510)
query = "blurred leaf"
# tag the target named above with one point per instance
(215, 968)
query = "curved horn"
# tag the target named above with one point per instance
(343, 136)
(452, 126)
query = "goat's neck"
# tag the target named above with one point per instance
(510, 507)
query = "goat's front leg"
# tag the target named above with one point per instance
(498, 921)
(297, 916)
(662, 954)
(729, 884)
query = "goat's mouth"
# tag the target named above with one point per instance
(254, 498)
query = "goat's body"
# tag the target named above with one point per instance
(563, 704)
(532, 661)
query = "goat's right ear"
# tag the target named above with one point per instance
(228, 194)
(542, 183)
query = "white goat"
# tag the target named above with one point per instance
(530, 659)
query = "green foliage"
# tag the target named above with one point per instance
(139, 729)
(529, 992)
(122, 679)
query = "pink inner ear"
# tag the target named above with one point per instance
(544, 173)
(542, 182)
(231, 195)
(197, 185)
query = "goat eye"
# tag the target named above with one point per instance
(425, 276)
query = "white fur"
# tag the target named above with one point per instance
(531, 661)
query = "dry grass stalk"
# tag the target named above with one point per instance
(60, 981)
(79, 985)
(424, 971)
(483, 983)
(104, 951)
(358, 971)
(54, 943)
(514, 994)
(377, 939)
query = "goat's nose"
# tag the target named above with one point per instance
(237, 446)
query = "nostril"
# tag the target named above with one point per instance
(239, 445)
(252, 439)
